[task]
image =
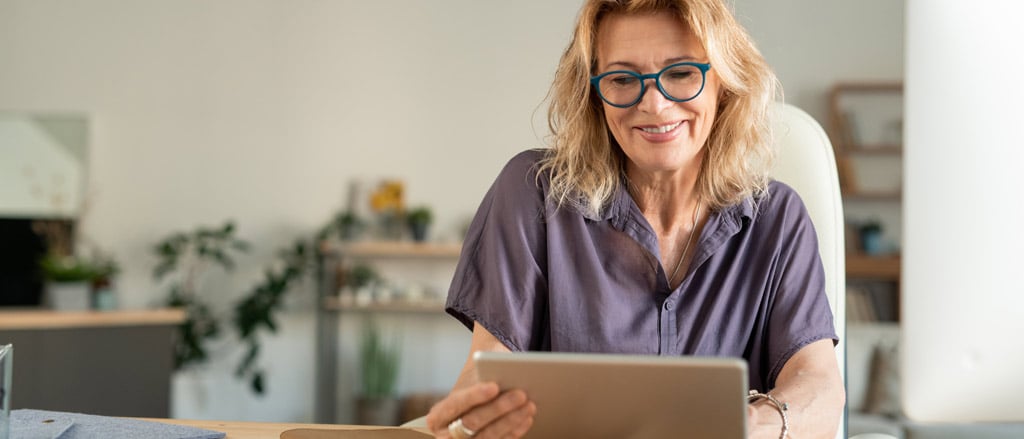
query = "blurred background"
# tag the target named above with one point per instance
(132, 130)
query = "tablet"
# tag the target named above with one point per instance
(625, 396)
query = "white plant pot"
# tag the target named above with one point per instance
(68, 296)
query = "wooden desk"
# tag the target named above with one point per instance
(113, 363)
(259, 430)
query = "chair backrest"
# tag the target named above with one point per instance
(807, 163)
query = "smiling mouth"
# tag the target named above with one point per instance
(662, 129)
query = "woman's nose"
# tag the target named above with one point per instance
(653, 101)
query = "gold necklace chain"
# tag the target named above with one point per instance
(693, 231)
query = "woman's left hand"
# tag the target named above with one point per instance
(484, 412)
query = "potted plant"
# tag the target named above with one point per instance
(68, 281)
(183, 260)
(377, 404)
(105, 269)
(419, 220)
(349, 225)
(387, 203)
(871, 237)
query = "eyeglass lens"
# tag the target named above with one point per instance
(680, 83)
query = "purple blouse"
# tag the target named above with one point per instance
(544, 278)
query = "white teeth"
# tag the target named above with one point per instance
(662, 129)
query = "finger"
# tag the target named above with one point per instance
(523, 426)
(482, 415)
(457, 403)
(514, 424)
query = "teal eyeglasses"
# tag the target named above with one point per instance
(678, 82)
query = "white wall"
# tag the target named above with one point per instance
(961, 280)
(263, 110)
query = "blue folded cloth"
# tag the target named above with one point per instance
(43, 424)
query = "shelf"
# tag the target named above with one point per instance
(392, 249)
(880, 149)
(863, 266)
(869, 86)
(873, 196)
(333, 303)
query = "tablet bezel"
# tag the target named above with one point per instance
(617, 396)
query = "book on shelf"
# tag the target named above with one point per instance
(884, 303)
(850, 131)
(859, 307)
(871, 302)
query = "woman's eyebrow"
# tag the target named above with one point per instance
(666, 62)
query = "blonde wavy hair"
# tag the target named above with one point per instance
(585, 163)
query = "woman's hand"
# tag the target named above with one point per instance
(763, 424)
(485, 411)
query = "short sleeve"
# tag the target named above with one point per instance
(799, 313)
(500, 279)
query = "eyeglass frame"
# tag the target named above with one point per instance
(703, 67)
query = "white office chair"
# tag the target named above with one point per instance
(806, 163)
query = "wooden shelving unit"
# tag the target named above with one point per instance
(392, 249)
(886, 268)
(864, 126)
(844, 136)
(400, 306)
(896, 150)
(333, 258)
(873, 196)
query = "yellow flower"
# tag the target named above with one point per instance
(387, 197)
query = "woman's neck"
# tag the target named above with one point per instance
(667, 199)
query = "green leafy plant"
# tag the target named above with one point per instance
(105, 268)
(185, 258)
(69, 268)
(58, 268)
(419, 220)
(253, 313)
(360, 276)
(420, 215)
(379, 363)
(872, 226)
(257, 309)
(348, 224)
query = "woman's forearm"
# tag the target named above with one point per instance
(810, 386)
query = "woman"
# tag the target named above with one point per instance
(650, 226)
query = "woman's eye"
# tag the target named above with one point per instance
(623, 80)
(678, 75)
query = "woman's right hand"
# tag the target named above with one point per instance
(484, 410)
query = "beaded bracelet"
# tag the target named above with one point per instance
(780, 406)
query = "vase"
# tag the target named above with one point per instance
(871, 242)
(419, 231)
(69, 296)
(389, 226)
